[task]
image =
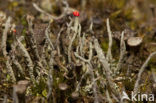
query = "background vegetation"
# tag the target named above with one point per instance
(49, 56)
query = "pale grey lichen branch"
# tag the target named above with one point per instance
(81, 58)
(42, 11)
(90, 54)
(66, 10)
(15, 96)
(94, 83)
(13, 56)
(17, 64)
(106, 69)
(3, 46)
(50, 83)
(90, 71)
(122, 52)
(33, 45)
(108, 97)
(58, 42)
(47, 36)
(109, 51)
(137, 85)
(75, 30)
(4, 36)
(82, 43)
(82, 77)
(90, 51)
(91, 26)
(44, 56)
(28, 59)
(5, 99)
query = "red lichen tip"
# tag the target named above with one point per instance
(76, 13)
(14, 30)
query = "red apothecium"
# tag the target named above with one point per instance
(14, 30)
(76, 13)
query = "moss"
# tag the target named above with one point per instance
(39, 87)
(104, 45)
(121, 17)
(129, 85)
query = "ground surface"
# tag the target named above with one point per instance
(51, 56)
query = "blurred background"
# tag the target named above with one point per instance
(135, 17)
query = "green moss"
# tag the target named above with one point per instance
(115, 14)
(38, 88)
(104, 46)
(129, 85)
